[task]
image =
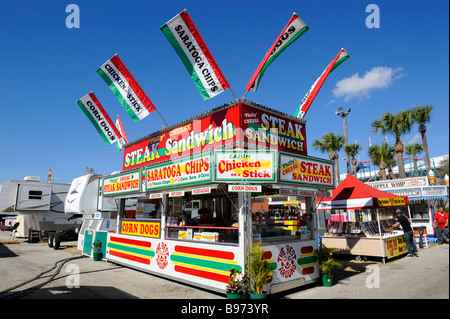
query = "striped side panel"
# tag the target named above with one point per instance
(205, 263)
(307, 260)
(131, 249)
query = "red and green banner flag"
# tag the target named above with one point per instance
(126, 89)
(99, 118)
(293, 30)
(311, 94)
(123, 140)
(195, 55)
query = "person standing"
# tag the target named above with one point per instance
(408, 232)
(441, 224)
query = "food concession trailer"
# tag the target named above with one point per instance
(365, 229)
(185, 198)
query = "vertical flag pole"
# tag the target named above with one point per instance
(167, 125)
(233, 94)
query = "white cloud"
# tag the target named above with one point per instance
(379, 77)
(416, 139)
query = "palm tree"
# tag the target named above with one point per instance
(413, 149)
(397, 124)
(383, 156)
(352, 150)
(422, 115)
(332, 144)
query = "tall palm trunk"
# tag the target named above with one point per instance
(423, 130)
(354, 162)
(399, 148)
(382, 170)
(416, 170)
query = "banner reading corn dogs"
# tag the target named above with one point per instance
(245, 166)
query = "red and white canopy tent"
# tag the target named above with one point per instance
(354, 194)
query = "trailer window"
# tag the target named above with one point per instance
(35, 195)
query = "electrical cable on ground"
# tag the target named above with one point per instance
(20, 294)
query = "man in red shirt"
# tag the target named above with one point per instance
(441, 224)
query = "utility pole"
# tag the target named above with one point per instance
(340, 112)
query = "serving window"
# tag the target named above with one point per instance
(211, 217)
(281, 219)
(141, 208)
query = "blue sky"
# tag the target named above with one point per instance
(46, 67)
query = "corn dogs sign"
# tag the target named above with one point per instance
(306, 171)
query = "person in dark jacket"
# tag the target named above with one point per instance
(402, 220)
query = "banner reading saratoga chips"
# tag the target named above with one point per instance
(306, 171)
(195, 55)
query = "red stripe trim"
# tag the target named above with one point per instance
(307, 270)
(306, 250)
(198, 38)
(130, 257)
(105, 115)
(202, 274)
(124, 136)
(133, 83)
(205, 252)
(267, 255)
(131, 241)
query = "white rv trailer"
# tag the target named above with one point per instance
(37, 205)
(85, 198)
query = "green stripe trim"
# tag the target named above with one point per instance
(187, 63)
(134, 250)
(339, 62)
(94, 122)
(119, 96)
(216, 265)
(306, 260)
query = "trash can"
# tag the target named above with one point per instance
(420, 230)
(33, 236)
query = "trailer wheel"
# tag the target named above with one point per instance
(56, 241)
(50, 239)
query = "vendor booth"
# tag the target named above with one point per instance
(186, 195)
(424, 200)
(361, 230)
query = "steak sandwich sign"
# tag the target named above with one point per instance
(302, 170)
(239, 125)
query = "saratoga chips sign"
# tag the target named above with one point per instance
(122, 184)
(306, 170)
(245, 166)
(188, 171)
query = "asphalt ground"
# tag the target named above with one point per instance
(66, 275)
